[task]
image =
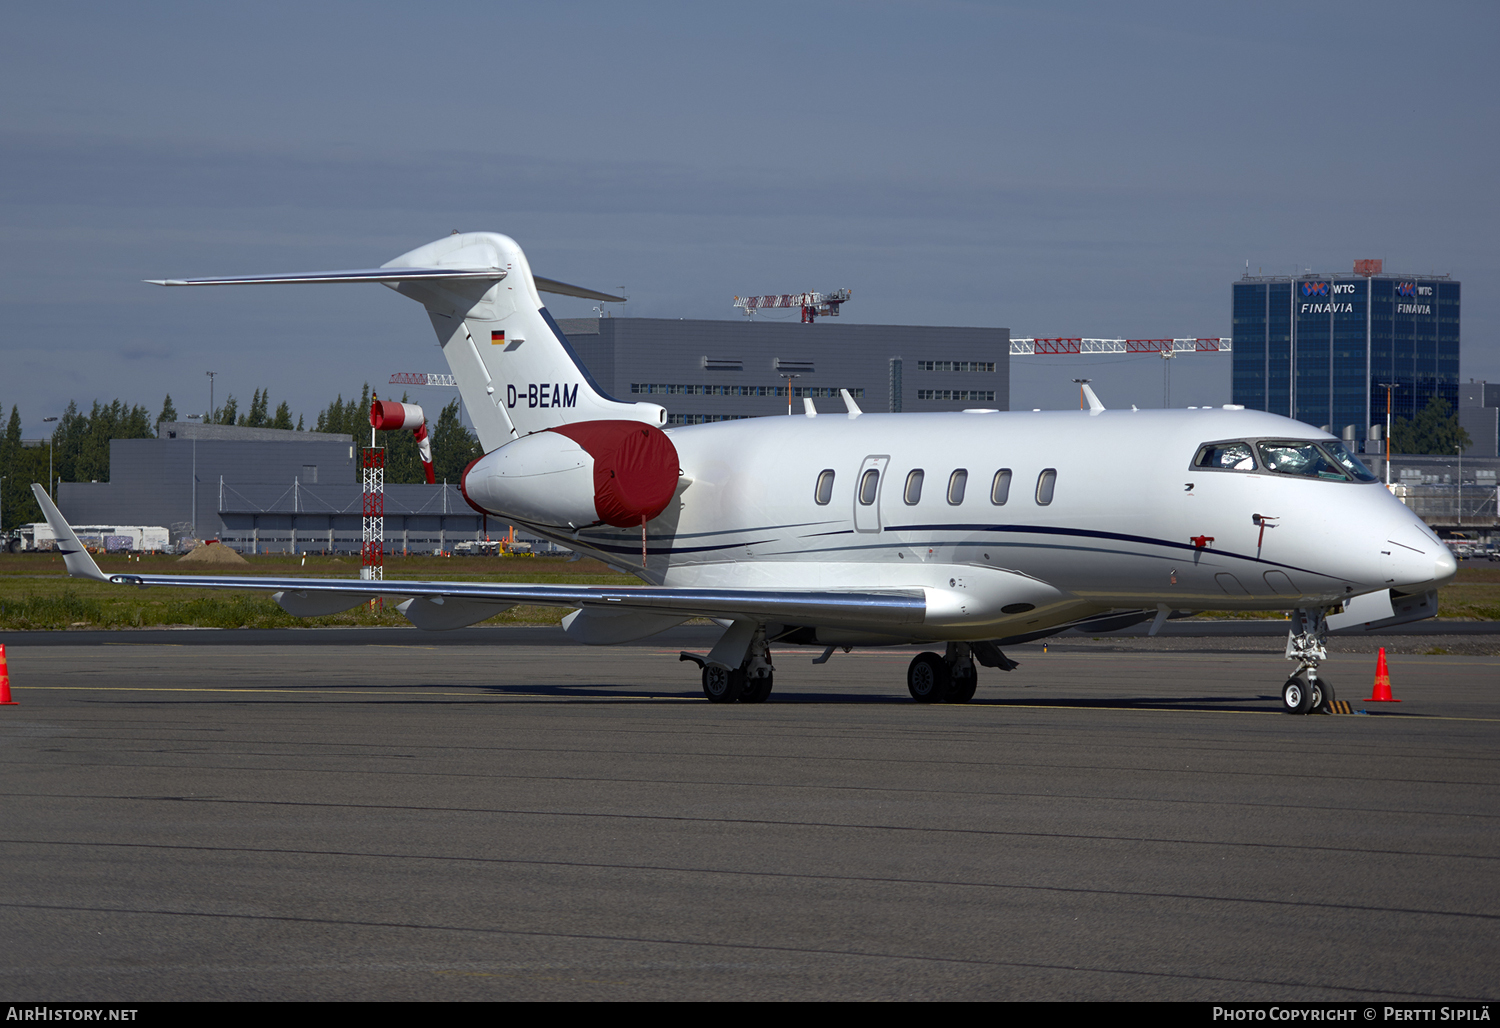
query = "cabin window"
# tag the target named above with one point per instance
(869, 482)
(824, 491)
(957, 482)
(1000, 488)
(913, 494)
(1045, 483)
(1302, 459)
(1234, 456)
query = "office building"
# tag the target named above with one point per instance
(1319, 348)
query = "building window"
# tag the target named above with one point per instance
(913, 494)
(824, 491)
(1000, 488)
(1045, 483)
(957, 482)
(985, 395)
(956, 366)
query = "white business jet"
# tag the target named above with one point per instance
(970, 531)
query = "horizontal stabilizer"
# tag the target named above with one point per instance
(545, 285)
(548, 285)
(356, 275)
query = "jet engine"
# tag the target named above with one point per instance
(620, 473)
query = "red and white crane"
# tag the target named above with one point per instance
(1065, 345)
(814, 305)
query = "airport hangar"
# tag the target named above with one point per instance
(275, 491)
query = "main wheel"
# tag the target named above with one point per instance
(927, 678)
(1298, 697)
(757, 690)
(962, 689)
(722, 686)
(1325, 697)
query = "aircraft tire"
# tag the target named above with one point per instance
(962, 689)
(927, 678)
(721, 686)
(757, 690)
(1325, 697)
(1298, 698)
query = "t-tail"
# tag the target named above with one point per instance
(513, 365)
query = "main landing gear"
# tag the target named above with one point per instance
(749, 683)
(951, 678)
(1306, 692)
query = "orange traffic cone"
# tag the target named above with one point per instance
(5, 700)
(1382, 682)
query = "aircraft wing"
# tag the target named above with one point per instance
(310, 597)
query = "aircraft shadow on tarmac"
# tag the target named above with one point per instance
(600, 691)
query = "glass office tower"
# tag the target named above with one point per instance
(1317, 347)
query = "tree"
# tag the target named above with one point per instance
(1434, 430)
(226, 414)
(256, 416)
(168, 412)
(81, 441)
(283, 416)
(21, 465)
(454, 447)
(351, 418)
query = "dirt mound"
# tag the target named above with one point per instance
(213, 553)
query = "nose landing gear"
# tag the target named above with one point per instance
(1307, 643)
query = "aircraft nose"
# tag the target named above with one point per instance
(1444, 567)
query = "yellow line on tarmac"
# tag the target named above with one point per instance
(143, 688)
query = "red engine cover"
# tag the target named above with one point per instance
(635, 468)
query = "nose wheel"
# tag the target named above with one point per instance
(1299, 696)
(1306, 692)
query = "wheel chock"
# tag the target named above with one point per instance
(5, 700)
(1382, 690)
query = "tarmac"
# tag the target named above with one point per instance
(496, 814)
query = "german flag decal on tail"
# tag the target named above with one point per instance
(497, 338)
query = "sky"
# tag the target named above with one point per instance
(1057, 169)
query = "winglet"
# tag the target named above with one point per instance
(1094, 405)
(849, 404)
(77, 559)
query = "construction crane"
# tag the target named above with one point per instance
(419, 378)
(1165, 348)
(814, 305)
(1039, 347)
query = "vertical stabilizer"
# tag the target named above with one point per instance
(513, 365)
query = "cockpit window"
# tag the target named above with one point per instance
(1349, 462)
(1305, 460)
(1226, 457)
